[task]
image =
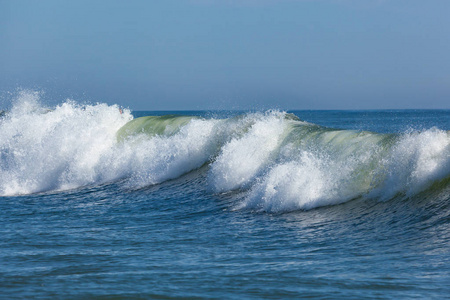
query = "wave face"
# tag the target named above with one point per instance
(273, 160)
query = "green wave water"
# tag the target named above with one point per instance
(153, 125)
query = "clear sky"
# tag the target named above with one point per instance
(229, 54)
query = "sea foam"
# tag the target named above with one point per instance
(44, 149)
(277, 162)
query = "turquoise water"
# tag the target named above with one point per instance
(226, 205)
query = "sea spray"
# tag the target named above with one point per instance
(159, 158)
(44, 149)
(377, 167)
(75, 145)
(244, 156)
(274, 160)
(416, 161)
(324, 167)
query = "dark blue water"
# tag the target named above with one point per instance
(188, 236)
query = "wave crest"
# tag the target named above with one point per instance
(279, 162)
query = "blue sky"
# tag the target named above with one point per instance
(248, 54)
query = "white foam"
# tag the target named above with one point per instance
(243, 157)
(45, 149)
(280, 163)
(346, 167)
(416, 161)
(154, 160)
(73, 145)
(309, 177)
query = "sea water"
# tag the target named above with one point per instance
(97, 201)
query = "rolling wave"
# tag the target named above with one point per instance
(279, 162)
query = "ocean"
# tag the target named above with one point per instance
(102, 202)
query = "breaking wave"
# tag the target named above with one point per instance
(277, 161)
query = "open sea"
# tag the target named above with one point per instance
(100, 202)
